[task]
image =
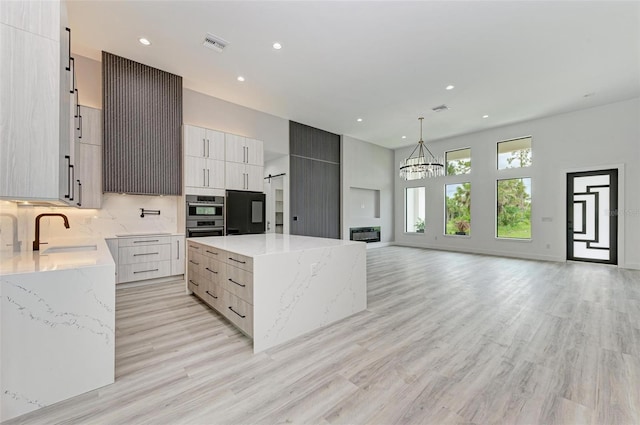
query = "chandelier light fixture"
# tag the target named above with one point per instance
(419, 166)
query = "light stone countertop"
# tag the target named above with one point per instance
(269, 243)
(29, 261)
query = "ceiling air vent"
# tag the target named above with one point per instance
(214, 42)
(440, 108)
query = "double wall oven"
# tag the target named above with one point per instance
(205, 216)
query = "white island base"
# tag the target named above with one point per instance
(277, 287)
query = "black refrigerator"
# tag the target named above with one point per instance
(245, 212)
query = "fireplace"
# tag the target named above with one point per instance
(365, 234)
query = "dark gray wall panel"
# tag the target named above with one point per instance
(142, 121)
(314, 182)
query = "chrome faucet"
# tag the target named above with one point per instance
(36, 243)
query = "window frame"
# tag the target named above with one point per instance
(512, 140)
(405, 221)
(468, 235)
(503, 238)
(446, 165)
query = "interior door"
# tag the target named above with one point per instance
(592, 216)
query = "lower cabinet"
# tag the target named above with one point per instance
(224, 281)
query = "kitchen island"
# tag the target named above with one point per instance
(57, 324)
(276, 287)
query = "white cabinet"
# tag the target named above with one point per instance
(203, 143)
(244, 167)
(178, 255)
(88, 159)
(203, 161)
(244, 150)
(35, 101)
(203, 173)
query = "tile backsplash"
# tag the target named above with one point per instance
(120, 214)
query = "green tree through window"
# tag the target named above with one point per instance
(458, 211)
(514, 208)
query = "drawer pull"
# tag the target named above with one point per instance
(211, 295)
(231, 308)
(193, 283)
(193, 262)
(154, 240)
(237, 261)
(146, 271)
(239, 284)
(211, 252)
(208, 269)
(148, 253)
(194, 247)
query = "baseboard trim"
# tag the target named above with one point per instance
(492, 253)
(373, 245)
(156, 281)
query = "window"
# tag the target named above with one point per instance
(514, 208)
(514, 153)
(458, 162)
(458, 209)
(414, 210)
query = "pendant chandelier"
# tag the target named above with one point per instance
(418, 165)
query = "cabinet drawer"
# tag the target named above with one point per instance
(141, 271)
(212, 295)
(245, 263)
(146, 240)
(144, 254)
(214, 253)
(239, 312)
(213, 270)
(195, 283)
(196, 262)
(194, 246)
(239, 282)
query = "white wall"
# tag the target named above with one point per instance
(590, 139)
(370, 167)
(274, 167)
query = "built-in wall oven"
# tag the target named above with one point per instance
(205, 216)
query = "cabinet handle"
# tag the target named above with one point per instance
(79, 194)
(239, 284)
(147, 253)
(230, 308)
(193, 283)
(68, 68)
(146, 271)
(211, 295)
(80, 126)
(68, 159)
(204, 149)
(193, 262)
(194, 247)
(178, 250)
(204, 177)
(211, 252)
(71, 179)
(208, 269)
(208, 148)
(208, 177)
(73, 74)
(148, 240)
(77, 103)
(237, 261)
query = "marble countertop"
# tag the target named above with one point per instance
(269, 243)
(28, 261)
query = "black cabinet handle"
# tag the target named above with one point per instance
(80, 127)
(68, 159)
(73, 74)
(193, 262)
(71, 179)
(239, 284)
(79, 194)
(237, 261)
(230, 308)
(69, 31)
(194, 247)
(211, 295)
(193, 283)
(211, 252)
(77, 103)
(207, 268)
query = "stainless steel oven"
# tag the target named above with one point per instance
(205, 216)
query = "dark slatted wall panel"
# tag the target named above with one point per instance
(314, 181)
(142, 120)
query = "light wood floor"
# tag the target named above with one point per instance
(446, 338)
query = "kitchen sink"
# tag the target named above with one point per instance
(71, 248)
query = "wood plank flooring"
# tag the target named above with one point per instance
(447, 338)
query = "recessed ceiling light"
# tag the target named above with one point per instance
(450, 87)
(485, 116)
(240, 78)
(404, 137)
(359, 120)
(144, 41)
(277, 46)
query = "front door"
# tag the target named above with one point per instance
(592, 216)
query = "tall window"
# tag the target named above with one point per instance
(458, 162)
(514, 208)
(458, 209)
(514, 153)
(414, 210)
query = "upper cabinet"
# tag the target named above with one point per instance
(203, 143)
(88, 159)
(36, 101)
(244, 150)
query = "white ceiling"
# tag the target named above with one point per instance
(386, 62)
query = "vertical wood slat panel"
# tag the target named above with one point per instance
(142, 120)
